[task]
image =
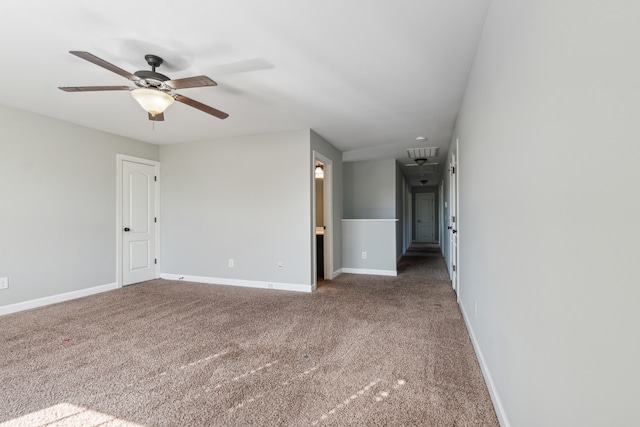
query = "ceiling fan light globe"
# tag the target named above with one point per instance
(153, 101)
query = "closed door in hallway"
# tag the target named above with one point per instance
(425, 217)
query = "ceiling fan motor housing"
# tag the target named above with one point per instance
(151, 78)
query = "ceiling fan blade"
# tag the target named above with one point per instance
(104, 64)
(188, 82)
(195, 104)
(157, 118)
(92, 88)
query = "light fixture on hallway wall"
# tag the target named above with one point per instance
(319, 172)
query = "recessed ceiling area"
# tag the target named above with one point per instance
(369, 77)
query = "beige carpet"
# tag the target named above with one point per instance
(361, 351)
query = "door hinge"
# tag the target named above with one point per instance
(453, 218)
(155, 219)
(454, 267)
(155, 178)
(155, 260)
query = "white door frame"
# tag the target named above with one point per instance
(454, 221)
(328, 218)
(457, 178)
(408, 226)
(119, 159)
(441, 216)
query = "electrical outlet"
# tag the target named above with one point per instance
(280, 265)
(231, 262)
(364, 255)
(4, 282)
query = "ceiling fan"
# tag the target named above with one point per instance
(154, 90)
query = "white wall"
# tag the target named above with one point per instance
(549, 209)
(57, 205)
(245, 198)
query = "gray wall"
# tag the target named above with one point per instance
(58, 205)
(376, 238)
(213, 210)
(370, 189)
(548, 159)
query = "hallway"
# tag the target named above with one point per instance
(423, 260)
(453, 390)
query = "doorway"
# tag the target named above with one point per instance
(137, 224)
(322, 208)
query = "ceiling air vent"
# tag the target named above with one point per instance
(421, 153)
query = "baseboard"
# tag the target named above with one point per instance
(53, 299)
(371, 272)
(336, 274)
(493, 392)
(236, 282)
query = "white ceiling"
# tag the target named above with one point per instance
(369, 76)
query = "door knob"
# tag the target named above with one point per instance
(127, 229)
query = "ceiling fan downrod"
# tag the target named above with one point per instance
(154, 61)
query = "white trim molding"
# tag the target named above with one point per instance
(370, 272)
(493, 392)
(236, 282)
(54, 299)
(335, 274)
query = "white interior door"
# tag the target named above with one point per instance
(453, 231)
(138, 222)
(425, 217)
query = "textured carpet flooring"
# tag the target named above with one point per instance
(360, 351)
